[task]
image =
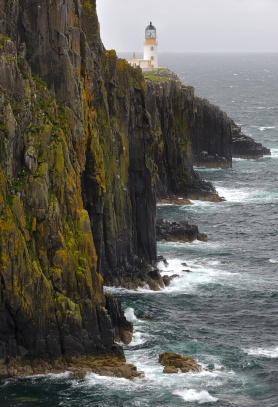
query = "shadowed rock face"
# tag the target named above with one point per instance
(58, 160)
(212, 135)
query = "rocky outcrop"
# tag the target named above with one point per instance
(174, 363)
(178, 231)
(245, 146)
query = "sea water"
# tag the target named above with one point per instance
(223, 312)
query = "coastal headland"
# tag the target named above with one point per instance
(87, 147)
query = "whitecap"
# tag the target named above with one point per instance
(192, 395)
(273, 260)
(267, 352)
(263, 128)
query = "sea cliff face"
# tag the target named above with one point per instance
(77, 176)
(52, 301)
(86, 146)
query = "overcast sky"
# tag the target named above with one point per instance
(191, 25)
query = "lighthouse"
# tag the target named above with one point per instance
(150, 46)
(150, 59)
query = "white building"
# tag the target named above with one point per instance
(150, 60)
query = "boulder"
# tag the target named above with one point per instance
(174, 360)
(177, 231)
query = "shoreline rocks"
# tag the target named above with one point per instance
(112, 365)
(173, 363)
(143, 275)
(178, 231)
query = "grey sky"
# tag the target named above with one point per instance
(191, 25)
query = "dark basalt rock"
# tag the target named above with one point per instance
(212, 135)
(177, 231)
(137, 275)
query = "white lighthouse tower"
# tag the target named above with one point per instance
(150, 46)
(150, 60)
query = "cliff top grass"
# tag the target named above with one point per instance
(160, 75)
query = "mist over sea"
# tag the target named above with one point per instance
(224, 313)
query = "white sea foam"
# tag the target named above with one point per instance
(138, 338)
(92, 379)
(191, 274)
(55, 376)
(192, 395)
(129, 314)
(274, 152)
(235, 195)
(273, 260)
(50, 376)
(267, 352)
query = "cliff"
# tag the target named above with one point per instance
(86, 147)
(67, 201)
(171, 109)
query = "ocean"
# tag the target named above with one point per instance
(223, 313)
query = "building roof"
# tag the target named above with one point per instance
(150, 27)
